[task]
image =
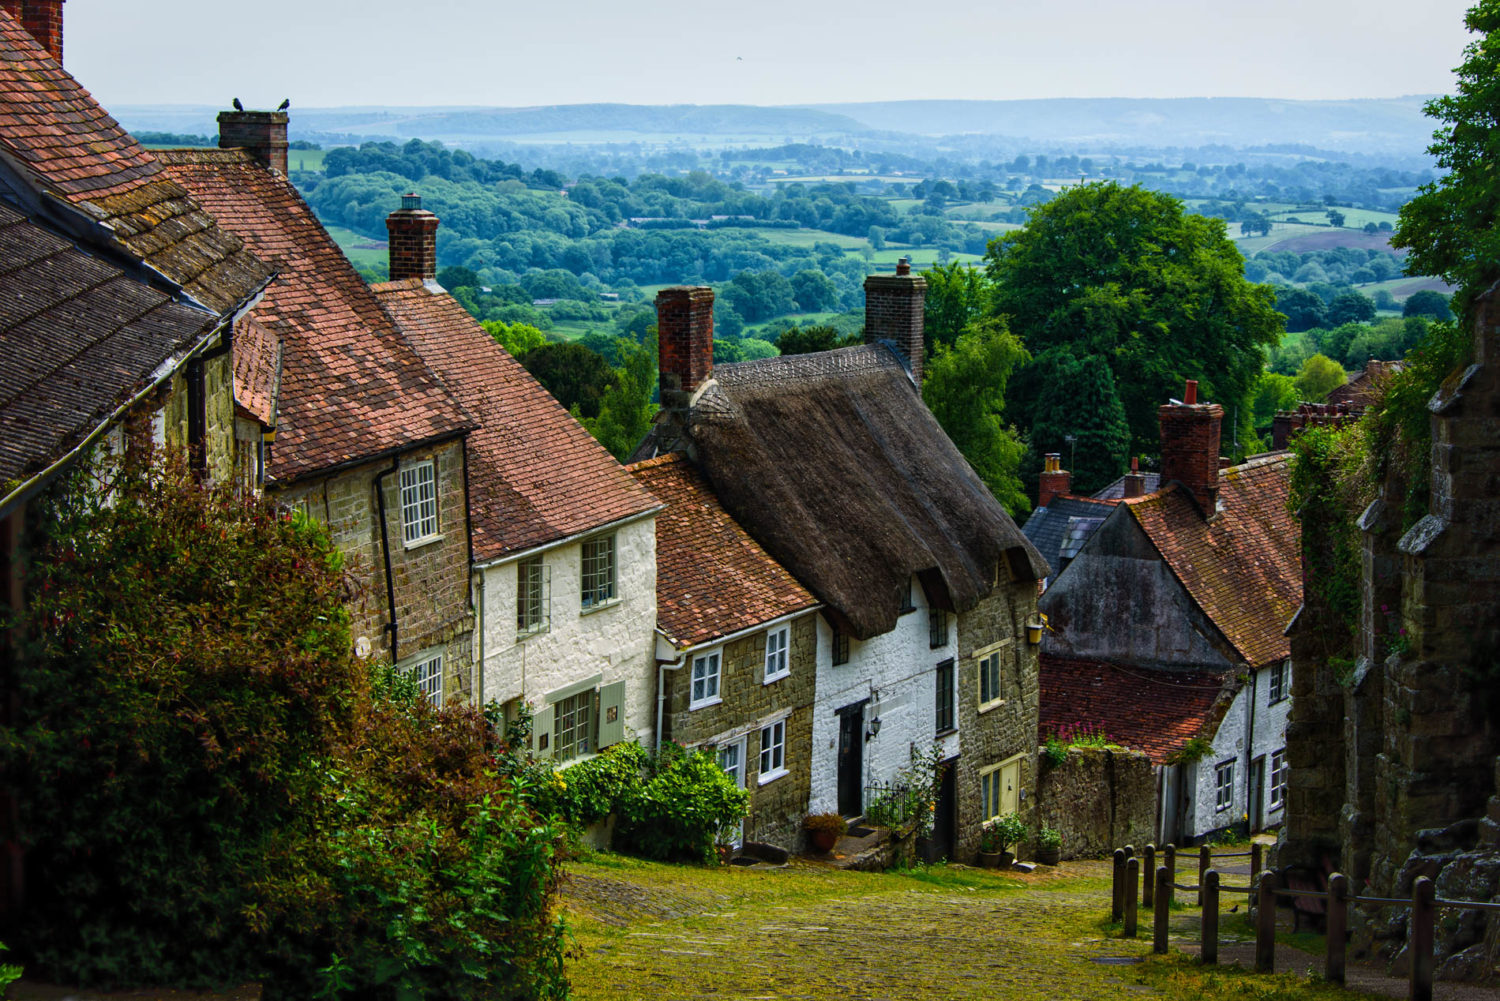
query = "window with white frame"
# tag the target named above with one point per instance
(945, 696)
(1278, 779)
(773, 751)
(1281, 681)
(989, 679)
(428, 675)
(732, 760)
(705, 680)
(777, 665)
(419, 509)
(1224, 786)
(989, 793)
(598, 571)
(533, 597)
(573, 726)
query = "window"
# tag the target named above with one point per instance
(598, 571)
(1224, 786)
(533, 597)
(732, 760)
(1281, 681)
(945, 696)
(840, 647)
(989, 794)
(907, 604)
(937, 627)
(419, 513)
(573, 726)
(705, 680)
(989, 679)
(776, 653)
(1278, 779)
(773, 751)
(428, 674)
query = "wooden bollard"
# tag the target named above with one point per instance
(1132, 874)
(1204, 861)
(1148, 869)
(1159, 912)
(1169, 860)
(1117, 891)
(1265, 924)
(1338, 924)
(1257, 862)
(1209, 950)
(1423, 911)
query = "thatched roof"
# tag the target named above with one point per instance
(832, 463)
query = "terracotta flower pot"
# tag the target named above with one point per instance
(823, 841)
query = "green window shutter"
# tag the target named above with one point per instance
(611, 714)
(541, 727)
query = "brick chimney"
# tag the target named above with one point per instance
(262, 134)
(1190, 447)
(893, 313)
(685, 339)
(43, 18)
(1135, 480)
(412, 231)
(1055, 480)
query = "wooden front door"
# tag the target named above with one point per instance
(945, 812)
(1010, 786)
(852, 760)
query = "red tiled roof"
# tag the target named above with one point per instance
(535, 475)
(257, 369)
(1143, 709)
(74, 151)
(1243, 568)
(352, 387)
(712, 579)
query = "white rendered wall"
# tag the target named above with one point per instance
(616, 641)
(897, 672)
(1232, 742)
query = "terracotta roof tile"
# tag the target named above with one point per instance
(1139, 708)
(535, 475)
(712, 579)
(351, 387)
(74, 151)
(1243, 568)
(257, 369)
(81, 339)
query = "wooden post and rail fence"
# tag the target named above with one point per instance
(1156, 892)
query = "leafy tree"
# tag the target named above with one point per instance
(964, 387)
(1320, 376)
(1452, 227)
(1335, 218)
(1125, 274)
(876, 236)
(626, 408)
(806, 340)
(1351, 307)
(957, 295)
(1385, 301)
(577, 376)
(516, 338)
(1273, 393)
(1427, 303)
(815, 292)
(457, 276)
(1079, 399)
(1255, 222)
(1304, 310)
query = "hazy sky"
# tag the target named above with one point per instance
(507, 53)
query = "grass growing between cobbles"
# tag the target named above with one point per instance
(641, 930)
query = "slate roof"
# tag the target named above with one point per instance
(712, 578)
(1143, 709)
(1151, 482)
(257, 369)
(81, 339)
(352, 388)
(832, 462)
(535, 475)
(1065, 523)
(70, 150)
(1243, 567)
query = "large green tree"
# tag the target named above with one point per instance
(1127, 275)
(1452, 227)
(957, 295)
(1080, 401)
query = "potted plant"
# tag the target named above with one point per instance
(1048, 846)
(996, 838)
(824, 830)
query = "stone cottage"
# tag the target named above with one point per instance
(833, 464)
(1196, 578)
(737, 641)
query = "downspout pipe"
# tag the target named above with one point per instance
(385, 549)
(1250, 750)
(662, 667)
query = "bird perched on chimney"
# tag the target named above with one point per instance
(237, 105)
(284, 105)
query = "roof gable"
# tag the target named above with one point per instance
(535, 474)
(712, 578)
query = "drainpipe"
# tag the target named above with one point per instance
(1250, 751)
(385, 549)
(662, 667)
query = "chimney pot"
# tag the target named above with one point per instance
(262, 134)
(412, 232)
(685, 342)
(903, 266)
(1135, 482)
(1054, 481)
(894, 307)
(1190, 392)
(411, 200)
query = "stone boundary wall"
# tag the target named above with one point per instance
(1099, 800)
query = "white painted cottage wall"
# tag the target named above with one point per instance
(1230, 742)
(897, 672)
(616, 641)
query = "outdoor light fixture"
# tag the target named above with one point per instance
(1034, 629)
(874, 728)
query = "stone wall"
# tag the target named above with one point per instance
(1099, 800)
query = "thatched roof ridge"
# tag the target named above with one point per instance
(833, 464)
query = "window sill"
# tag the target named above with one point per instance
(421, 543)
(985, 707)
(525, 634)
(769, 777)
(693, 706)
(945, 733)
(601, 606)
(776, 677)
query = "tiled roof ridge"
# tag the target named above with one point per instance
(813, 364)
(661, 460)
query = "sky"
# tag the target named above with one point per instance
(325, 53)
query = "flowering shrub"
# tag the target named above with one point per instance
(678, 811)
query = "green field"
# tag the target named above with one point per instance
(361, 250)
(306, 159)
(804, 237)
